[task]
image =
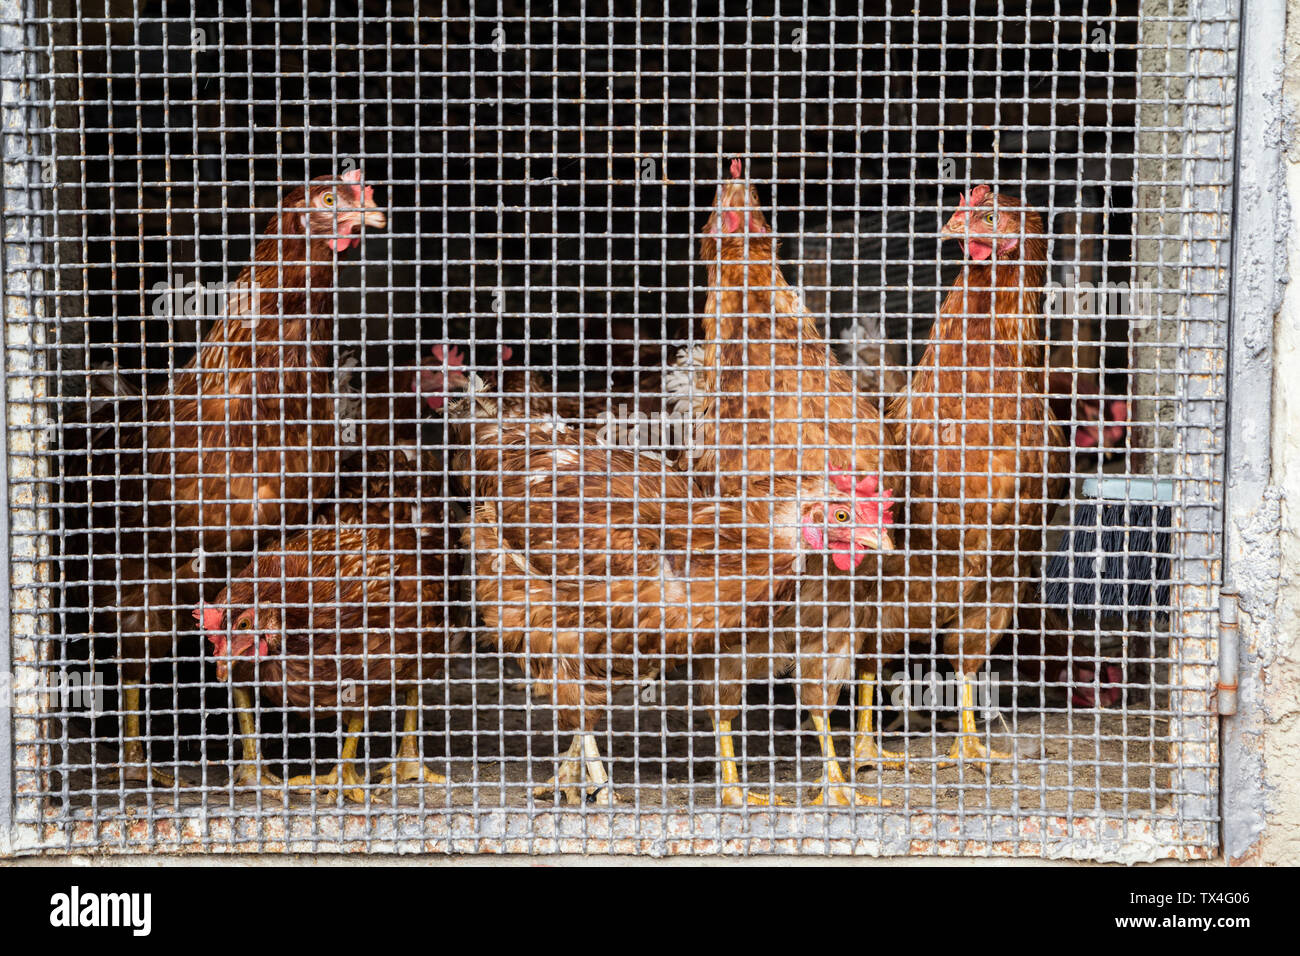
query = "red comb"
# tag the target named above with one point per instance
(976, 196)
(737, 168)
(450, 356)
(507, 353)
(209, 618)
(352, 176)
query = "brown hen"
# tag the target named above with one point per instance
(780, 402)
(984, 458)
(237, 446)
(334, 620)
(599, 566)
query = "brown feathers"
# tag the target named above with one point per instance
(597, 564)
(335, 617)
(245, 436)
(984, 452)
(781, 403)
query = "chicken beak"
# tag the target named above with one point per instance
(371, 214)
(954, 228)
(874, 539)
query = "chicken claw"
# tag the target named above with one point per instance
(251, 772)
(569, 778)
(836, 791)
(865, 749)
(733, 794)
(407, 766)
(968, 745)
(133, 767)
(343, 777)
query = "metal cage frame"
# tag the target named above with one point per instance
(1212, 161)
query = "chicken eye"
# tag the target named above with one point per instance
(991, 219)
(244, 624)
(842, 516)
(327, 199)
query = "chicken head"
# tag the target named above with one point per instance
(338, 207)
(244, 641)
(986, 221)
(735, 205)
(852, 520)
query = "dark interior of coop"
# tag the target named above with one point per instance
(546, 206)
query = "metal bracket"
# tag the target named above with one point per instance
(1229, 641)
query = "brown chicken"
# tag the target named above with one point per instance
(238, 445)
(597, 565)
(984, 458)
(335, 620)
(780, 403)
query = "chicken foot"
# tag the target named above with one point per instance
(407, 765)
(134, 767)
(865, 749)
(836, 790)
(733, 794)
(582, 751)
(251, 771)
(343, 777)
(968, 745)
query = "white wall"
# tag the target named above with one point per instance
(1279, 649)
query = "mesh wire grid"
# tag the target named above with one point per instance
(543, 184)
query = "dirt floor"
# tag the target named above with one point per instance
(481, 729)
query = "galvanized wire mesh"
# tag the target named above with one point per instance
(544, 183)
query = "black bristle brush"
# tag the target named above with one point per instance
(1129, 572)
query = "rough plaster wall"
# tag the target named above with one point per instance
(1278, 650)
(1162, 87)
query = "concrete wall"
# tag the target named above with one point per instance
(1275, 646)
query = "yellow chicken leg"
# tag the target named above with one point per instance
(968, 745)
(133, 757)
(407, 766)
(836, 791)
(582, 751)
(343, 777)
(733, 794)
(865, 749)
(251, 771)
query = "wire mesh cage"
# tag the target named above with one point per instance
(456, 429)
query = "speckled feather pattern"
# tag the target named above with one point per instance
(603, 565)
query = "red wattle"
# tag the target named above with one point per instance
(844, 560)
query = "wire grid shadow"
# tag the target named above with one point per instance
(453, 430)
